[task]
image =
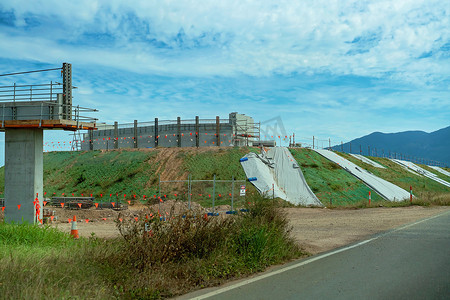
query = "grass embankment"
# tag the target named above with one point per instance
(136, 172)
(177, 256)
(329, 182)
(427, 191)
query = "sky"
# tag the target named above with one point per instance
(335, 70)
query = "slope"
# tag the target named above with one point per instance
(396, 174)
(329, 182)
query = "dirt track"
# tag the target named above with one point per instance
(316, 229)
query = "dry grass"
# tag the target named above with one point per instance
(153, 259)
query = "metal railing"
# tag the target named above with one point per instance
(39, 102)
(35, 92)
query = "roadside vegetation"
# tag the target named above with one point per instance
(153, 259)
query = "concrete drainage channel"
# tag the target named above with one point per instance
(276, 174)
(413, 167)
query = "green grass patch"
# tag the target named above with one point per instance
(136, 172)
(180, 255)
(329, 182)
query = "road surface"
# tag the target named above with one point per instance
(410, 262)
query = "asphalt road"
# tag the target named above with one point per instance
(410, 262)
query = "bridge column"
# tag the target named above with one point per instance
(23, 174)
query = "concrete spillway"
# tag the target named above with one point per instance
(421, 171)
(440, 170)
(277, 174)
(382, 187)
(367, 161)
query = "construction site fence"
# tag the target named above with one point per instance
(214, 194)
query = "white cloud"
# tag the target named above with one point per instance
(338, 69)
(204, 38)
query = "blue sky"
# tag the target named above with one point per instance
(332, 69)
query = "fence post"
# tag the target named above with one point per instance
(91, 139)
(410, 194)
(232, 193)
(218, 131)
(197, 132)
(159, 194)
(313, 142)
(135, 134)
(214, 193)
(178, 132)
(116, 135)
(156, 132)
(189, 191)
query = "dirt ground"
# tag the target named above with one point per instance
(319, 230)
(315, 229)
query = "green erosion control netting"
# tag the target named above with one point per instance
(329, 181)
(399, 176)
(124, 175)
(137, 172)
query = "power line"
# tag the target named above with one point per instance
(26, 72)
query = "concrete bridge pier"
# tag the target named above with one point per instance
(23, 174)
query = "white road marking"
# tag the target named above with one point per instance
(248, 281)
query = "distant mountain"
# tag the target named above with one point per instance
(411, 145)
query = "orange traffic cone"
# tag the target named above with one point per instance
(74, 230)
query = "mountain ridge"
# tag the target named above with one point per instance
(415, 145)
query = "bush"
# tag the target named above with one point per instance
(195, 250)
(154, 259)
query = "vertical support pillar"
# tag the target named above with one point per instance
(67, 91)
(156, 132)
(197, 132)
(91, 139)
(218, 131)
(116, 135)
(178, 131)
(135, 134)
(23, 174)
